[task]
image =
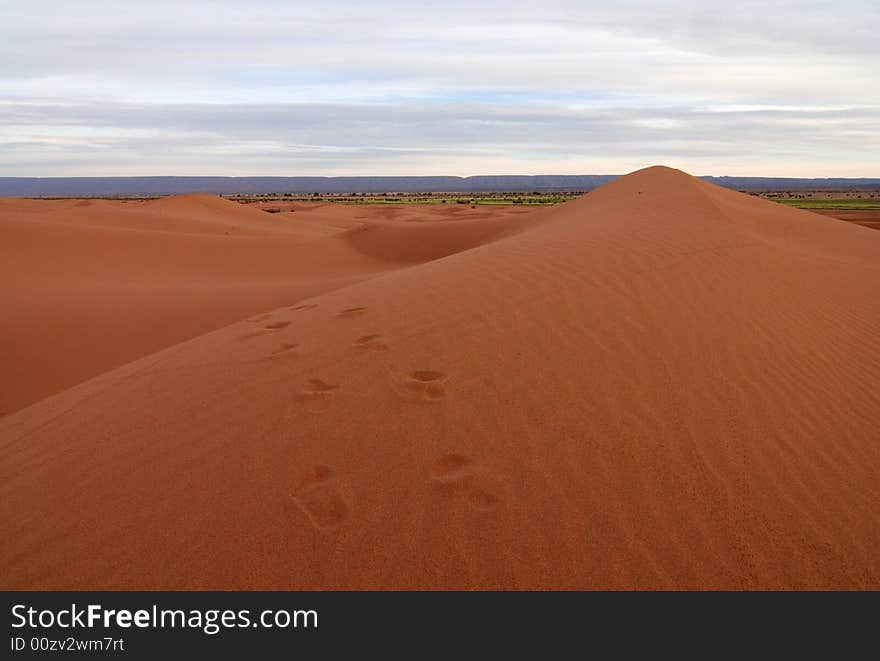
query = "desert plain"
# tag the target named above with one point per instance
(662, 384)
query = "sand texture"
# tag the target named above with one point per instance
(662, 384)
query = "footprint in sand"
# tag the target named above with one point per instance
(482, 500)
(319, 498)
(456, 475)
(350, 313)
(451, 468)
(283, 348)
(272, 327)
(317, 395)
(370, 342)
(427, 382)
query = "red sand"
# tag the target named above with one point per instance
(865, 217)
(663, 384)
(92, 285)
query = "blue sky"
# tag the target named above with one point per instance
(336, 88)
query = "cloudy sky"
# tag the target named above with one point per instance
(273, 87)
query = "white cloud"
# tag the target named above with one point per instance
(273, 87)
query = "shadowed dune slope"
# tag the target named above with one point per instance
(430, 240)
(662, 384)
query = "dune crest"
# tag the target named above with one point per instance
(662, 384)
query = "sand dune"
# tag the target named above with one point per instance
(92, 284)
(662, 384)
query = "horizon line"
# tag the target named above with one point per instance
(416, 176)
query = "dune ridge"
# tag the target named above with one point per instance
(662, 384)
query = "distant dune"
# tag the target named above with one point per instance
(662, 384)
